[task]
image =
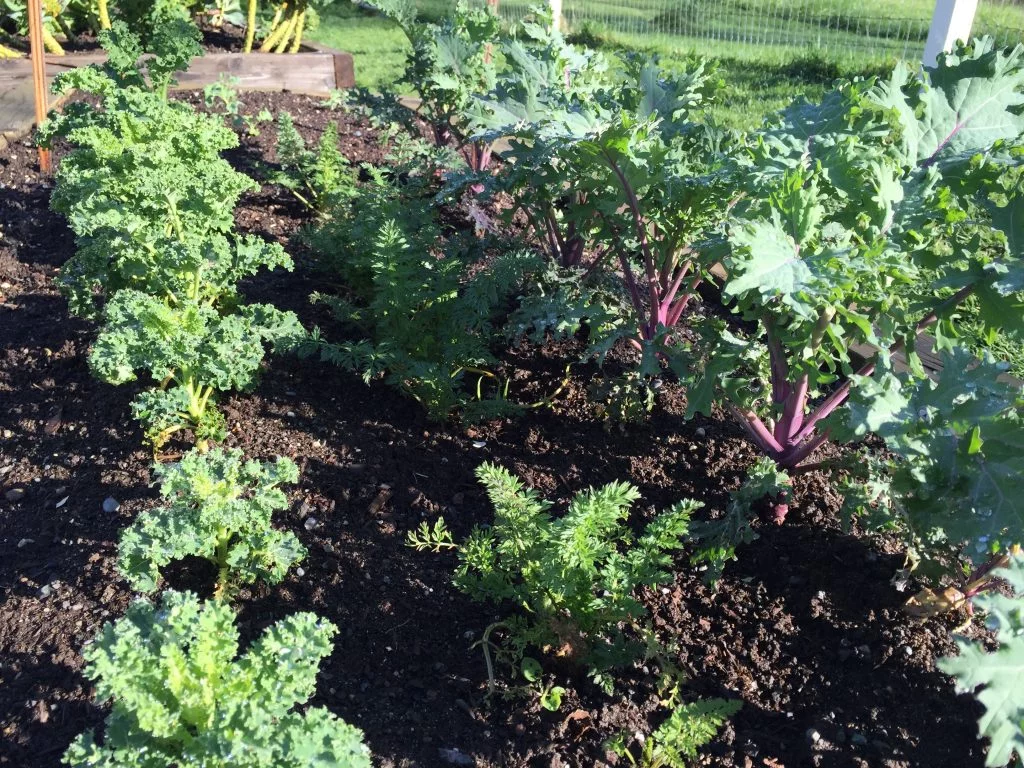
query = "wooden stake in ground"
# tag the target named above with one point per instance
(35, 39)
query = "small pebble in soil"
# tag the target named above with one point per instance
(111, 505)
(15, 495)
(813, 736)
(290, 414)
(456, 757)
(700, 432)
(310, 523)
(300, 572)
(25, 542)
(479, 443)
(908, 651)
(305, 508)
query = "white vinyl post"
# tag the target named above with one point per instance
(556, 14)
(951, 21)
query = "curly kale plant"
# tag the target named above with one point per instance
(144, 188)
(218, 507)
(182, 695)
(996, 678)
(152, 206)
(319, 178)
(575, 577)
(192, 350)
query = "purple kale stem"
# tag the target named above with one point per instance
(779, 366)
(792, 457)
(680, 306)
(631, 285)
(793, 413)
(641, 231)
(839, 395)
(557, 235)
(677, 280)
(761, 434)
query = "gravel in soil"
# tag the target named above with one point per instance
(805, 627)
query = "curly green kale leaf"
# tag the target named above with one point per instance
(219, 507)
(191, 347)
(183, 696)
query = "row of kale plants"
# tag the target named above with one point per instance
(157, 263)
(826, 224)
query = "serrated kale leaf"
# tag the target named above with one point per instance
(996, 678)
(959, 479)
(192, 350)
(218, 506)
(182, 694)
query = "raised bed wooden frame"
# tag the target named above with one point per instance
(314, 69)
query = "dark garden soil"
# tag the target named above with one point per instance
(805, 628)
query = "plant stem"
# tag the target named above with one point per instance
(250, 26)
(104, 14)
(221, 561)
(299, 26)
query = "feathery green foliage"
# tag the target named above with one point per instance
(427, 327)
(218, 506)
(319, 178)
(575, 577)
(183, 696)
(676, 741)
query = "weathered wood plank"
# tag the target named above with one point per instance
(313, 71)
(18, 113)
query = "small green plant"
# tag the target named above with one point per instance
(996, 678)
(718, 539)
(318, 178)
(193, 351)
(222, 98)
(183, 696)
(574, 576)
(426, 326)
(218, 506)
(688, 728)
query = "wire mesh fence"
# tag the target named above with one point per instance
(867, 29)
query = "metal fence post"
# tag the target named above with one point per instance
(951, 21)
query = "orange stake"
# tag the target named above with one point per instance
(35, 37)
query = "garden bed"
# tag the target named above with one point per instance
(806, 628)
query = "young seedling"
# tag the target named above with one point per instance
(218, 506)
(575, 576)
(320, 179)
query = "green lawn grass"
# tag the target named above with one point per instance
(756, 85)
